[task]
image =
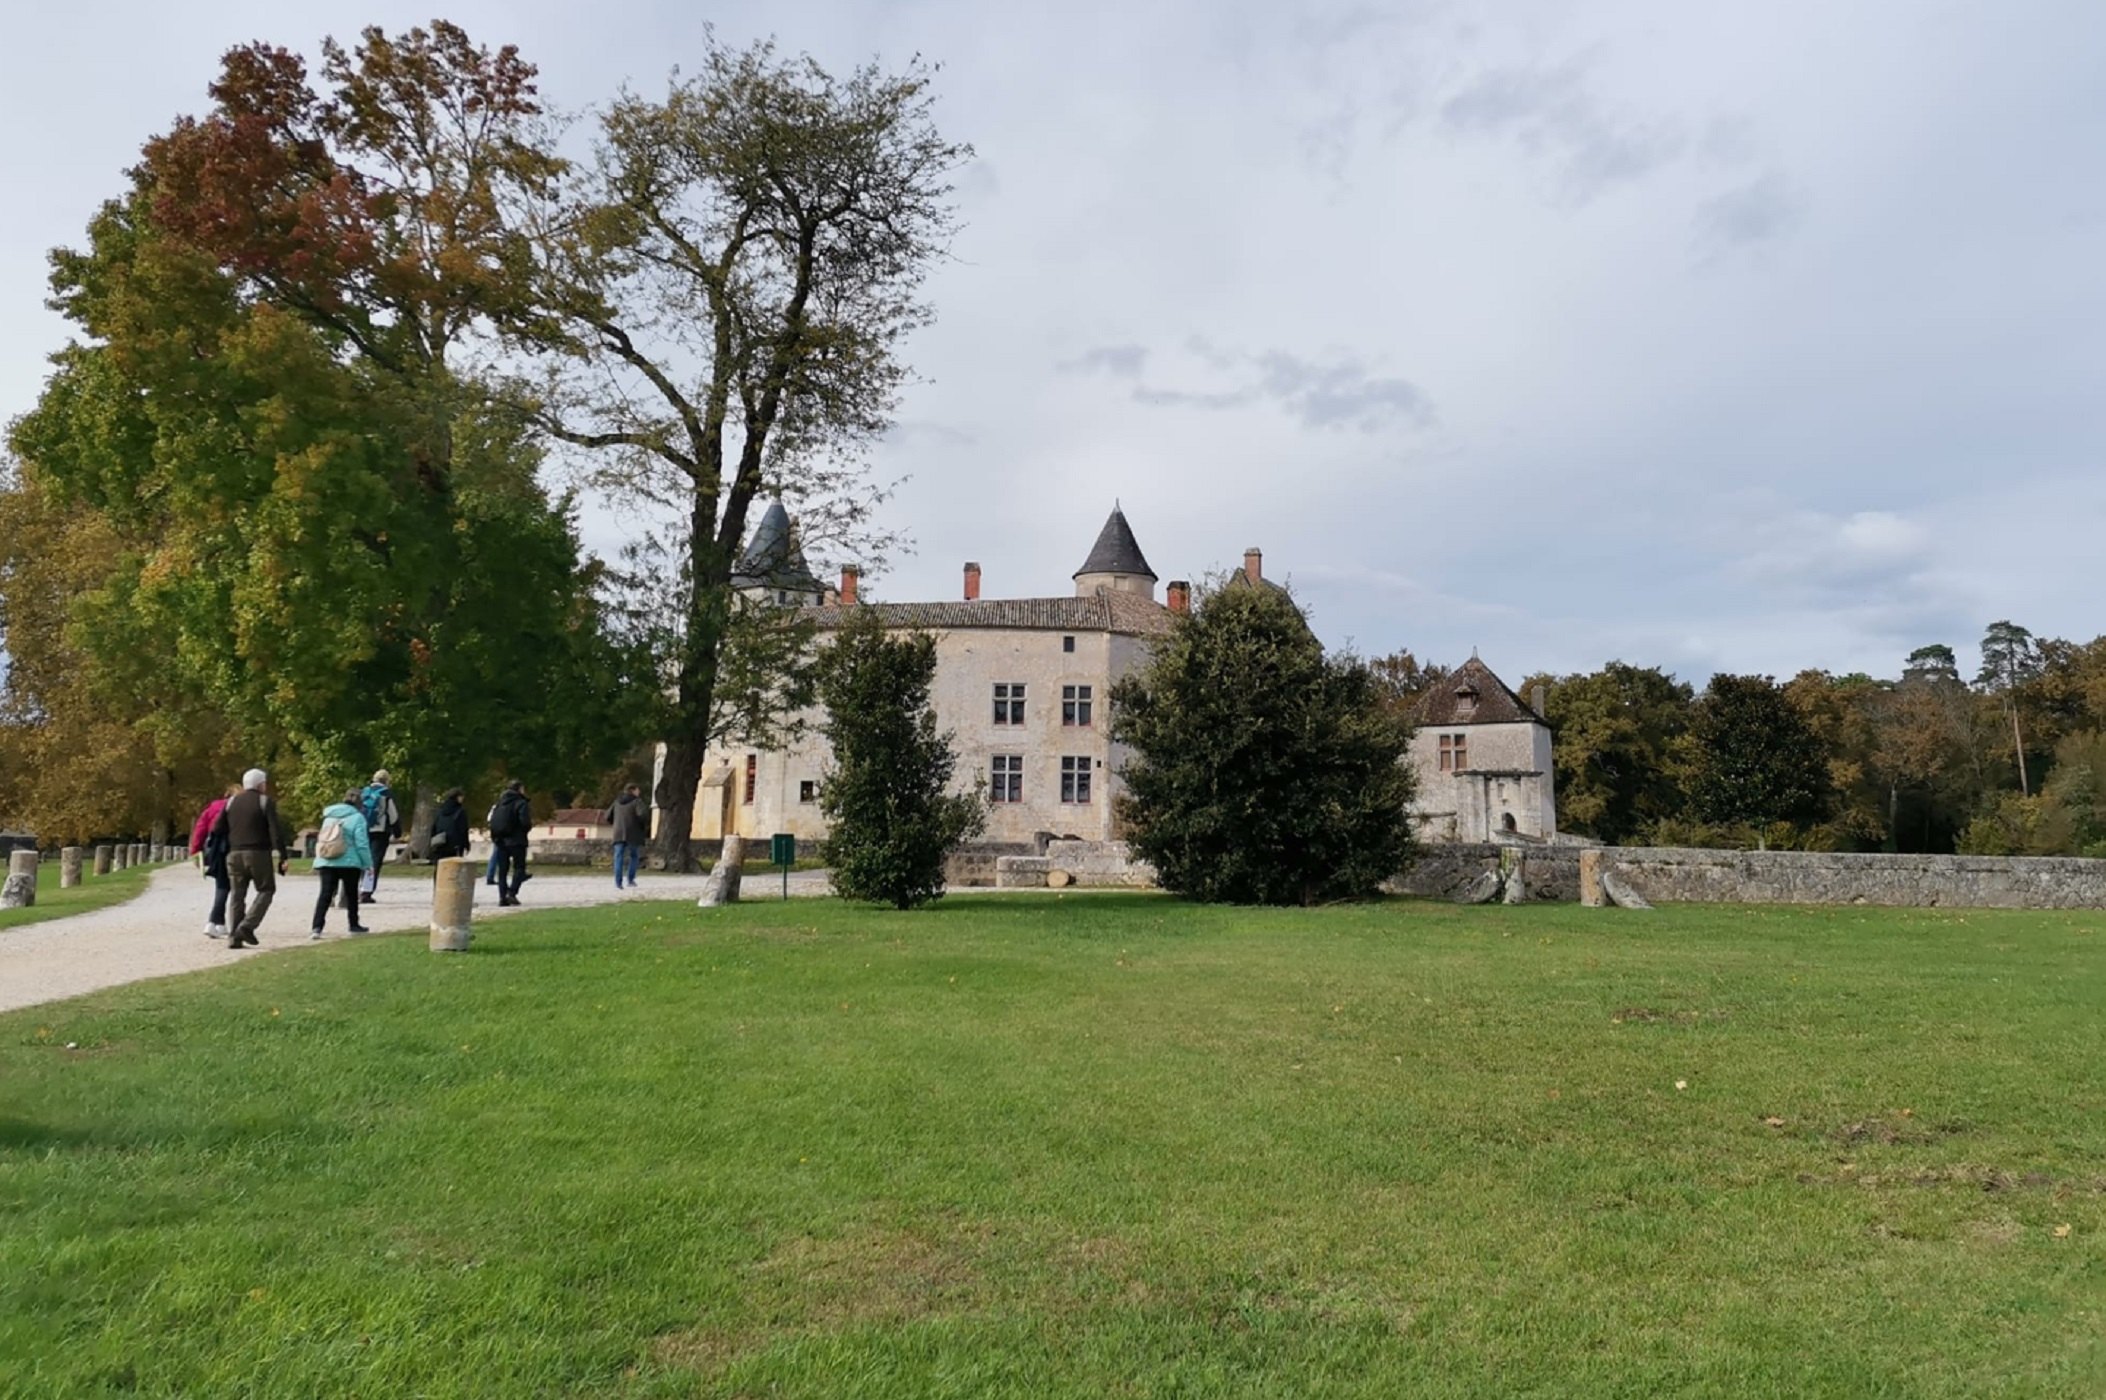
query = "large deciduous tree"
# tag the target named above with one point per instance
(1263, 771)
(1616, 732)
(346, 546)
(894, 821)
(727, 297)
(1755, 760)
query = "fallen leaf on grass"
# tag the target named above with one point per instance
(2062, 1231)
(1774, 1121)
(1681, 1084)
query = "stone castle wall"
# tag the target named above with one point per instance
(1447, 870)
(1681, 875)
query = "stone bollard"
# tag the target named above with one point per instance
(20, 891)
(453, 903)
(139, 853)
(124, 857)
(105, 859)
(69, 867)
(722, 886)
(1590, 892)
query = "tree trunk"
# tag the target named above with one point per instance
(2018, 747)
(423, 809)
(675, 796)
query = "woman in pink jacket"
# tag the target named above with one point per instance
(214, 864)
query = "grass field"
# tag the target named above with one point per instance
(1103, 1145)
(93, 892)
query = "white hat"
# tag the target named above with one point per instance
(254, 778)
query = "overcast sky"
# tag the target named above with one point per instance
(1739, 335)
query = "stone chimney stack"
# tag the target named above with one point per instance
(1180, 596)
(972, 582)
(1254, 564)
(850, 574)
(1538, 697)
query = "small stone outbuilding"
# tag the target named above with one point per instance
(1483, 761)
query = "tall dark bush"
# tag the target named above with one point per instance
(1263, 772)
(893, 819)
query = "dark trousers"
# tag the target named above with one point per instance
(250, 869)
(220, 887)
(337, 882)
(511, 869)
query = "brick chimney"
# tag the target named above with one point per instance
(1254, 564)
(972, 582)
(1180, 596)
(849, 575)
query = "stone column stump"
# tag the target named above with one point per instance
(124, 857)
(105, 859)
(139, 854)
(722, 886)
(453, 904)
(69, 867)
(1590, 891)
(20, 891)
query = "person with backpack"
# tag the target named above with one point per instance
(510, 822)
(343, 854)
(258, 852)
(631, 820)
(376, 803)
(209, 850)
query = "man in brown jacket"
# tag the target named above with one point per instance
(257, 852)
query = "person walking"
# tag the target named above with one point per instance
(631, 820)
(383, 824)
(210, 852)
(510, 821)
(343, 854)
(449, 829)
(257, 852)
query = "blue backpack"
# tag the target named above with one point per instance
(374, 802)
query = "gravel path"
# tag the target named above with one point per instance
(161, 932)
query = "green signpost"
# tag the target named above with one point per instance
(782, 849)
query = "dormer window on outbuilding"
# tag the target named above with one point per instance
(1465, 701)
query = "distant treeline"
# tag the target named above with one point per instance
(2011, 762)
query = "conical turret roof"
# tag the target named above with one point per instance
(1116, 550)
(772, 558)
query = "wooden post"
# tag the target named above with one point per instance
(453, 904)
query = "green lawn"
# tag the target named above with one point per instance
(93, 892)
(1106, 1145)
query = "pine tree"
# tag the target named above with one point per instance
(1264, 771)
(893, 820)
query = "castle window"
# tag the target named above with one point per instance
(1009, 702)
(1006, 778)
(1075, 704)
(807, 791)
(1454, 753)
(1075, 780)
(1067, 643)
(752, 776)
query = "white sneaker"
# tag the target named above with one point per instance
(316, 935)
(215, 930)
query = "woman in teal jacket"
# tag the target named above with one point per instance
(342, 871)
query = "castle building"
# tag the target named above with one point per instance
(1022, 685)
(1483, 760)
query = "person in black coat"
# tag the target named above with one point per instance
(449, 829)
(510, 823)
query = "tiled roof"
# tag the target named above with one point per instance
(772, 558)
(1126, 613)
(1442, 706)
(577, 816)
(1116, 550)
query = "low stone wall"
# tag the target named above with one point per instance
(1678, 874)
(1449, 870)
(1089, 865)
(974, 866)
